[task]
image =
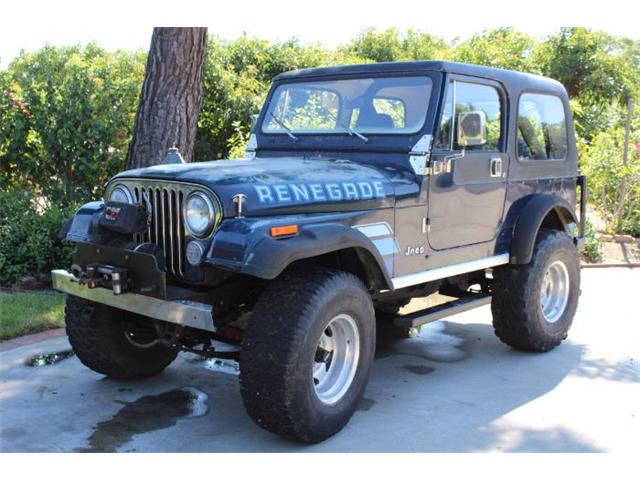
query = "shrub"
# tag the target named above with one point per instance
(593, 245)
(66, 118)
(28, 236)
(614, 188)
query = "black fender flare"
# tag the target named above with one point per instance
(260, 255)
(530, 220)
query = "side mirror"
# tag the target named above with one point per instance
(472, 128)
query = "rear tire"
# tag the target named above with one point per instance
(307, 353)
(113, 342)
(533, 305)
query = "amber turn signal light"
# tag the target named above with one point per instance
(284, 230)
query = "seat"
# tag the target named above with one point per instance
(373, 120)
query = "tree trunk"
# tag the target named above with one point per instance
(627, 131)
(619, 213)
(171, 96)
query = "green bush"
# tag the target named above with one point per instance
(66, 119)
(593, 245)
(614, 189)
(28, 236)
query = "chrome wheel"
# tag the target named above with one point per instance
(554, 293)
(336, 359)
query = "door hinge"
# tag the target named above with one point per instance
(444, 165)
(426, 225)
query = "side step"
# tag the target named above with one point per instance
(438, 312)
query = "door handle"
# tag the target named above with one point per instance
(496, 167)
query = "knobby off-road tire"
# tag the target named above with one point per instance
(101, 337)
(527, 314)
(285, 378)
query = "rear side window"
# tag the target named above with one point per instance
(542, 128)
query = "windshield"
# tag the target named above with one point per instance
(354, 106)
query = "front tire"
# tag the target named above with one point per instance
(113, 342)
(307, 354)
(533, 305)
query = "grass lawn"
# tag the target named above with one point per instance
(23, 313)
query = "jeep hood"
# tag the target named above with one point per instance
(283, 185)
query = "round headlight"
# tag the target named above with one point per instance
(121, 194)
(198, 214)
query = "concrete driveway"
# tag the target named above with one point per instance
(455, 388)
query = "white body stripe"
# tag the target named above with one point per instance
(375, 229)
(449, 271)
(386, 246)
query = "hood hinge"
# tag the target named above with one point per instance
(419, 154)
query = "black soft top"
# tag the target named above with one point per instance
(511, 79)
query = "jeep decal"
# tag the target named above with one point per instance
(319, 192)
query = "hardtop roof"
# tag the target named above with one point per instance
(511, 79)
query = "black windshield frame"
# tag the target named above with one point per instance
(393, 141)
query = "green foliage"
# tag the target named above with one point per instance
(614, 188)
(501, 48)
(67, 115)
(587, 62)
(391, 45)
(593, 247)
(28, 235)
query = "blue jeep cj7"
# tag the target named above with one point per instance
(363, 187)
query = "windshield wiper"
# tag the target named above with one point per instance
(284, 125)
(351, 131)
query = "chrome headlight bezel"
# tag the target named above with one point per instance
(212, 214)
(119, 187)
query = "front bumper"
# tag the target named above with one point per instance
(181, 312)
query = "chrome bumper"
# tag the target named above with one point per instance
(181, 312)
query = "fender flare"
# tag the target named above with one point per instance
(530, 220)
(255, 252)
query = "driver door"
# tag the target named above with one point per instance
(467, 185)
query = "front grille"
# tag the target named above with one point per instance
(167, 226)
(167, 229)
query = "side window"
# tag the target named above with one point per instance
(542, 128)
(471, 97)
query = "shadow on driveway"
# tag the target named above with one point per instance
(440, 391)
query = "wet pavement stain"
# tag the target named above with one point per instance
(435, 342)
(419, 369)
(366, 404)
(146, 414)
(47, 358)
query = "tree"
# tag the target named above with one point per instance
(171, 96)
(392, 45)
(590, 64)
(501, 48)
